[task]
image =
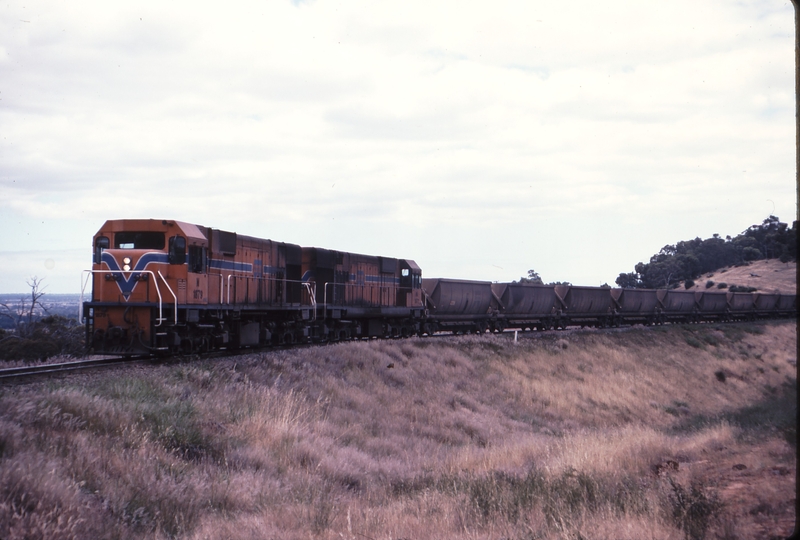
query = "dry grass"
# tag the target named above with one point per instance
(629, 434)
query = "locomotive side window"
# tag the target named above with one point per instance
(99, 245)
(197, 259)
(139, 240)
(177, 250)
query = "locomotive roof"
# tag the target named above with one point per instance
(191, 231)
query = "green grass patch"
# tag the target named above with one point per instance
(694, 342)
(171, 419)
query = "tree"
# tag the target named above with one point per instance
(533, 278)
(22, 314)
(629, 281)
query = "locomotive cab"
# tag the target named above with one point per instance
(142, 270)
(409, 294)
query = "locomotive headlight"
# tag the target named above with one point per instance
(126, 268)
(127, 264)
(126, 260)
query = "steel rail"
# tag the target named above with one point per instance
(66, 367)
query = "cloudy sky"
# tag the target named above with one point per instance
(481, 139)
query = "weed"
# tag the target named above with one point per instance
(692, 509)
(171, 420)
(319, 506)
(570, 493)
(694, 342)
(755, 329)
(505, 495)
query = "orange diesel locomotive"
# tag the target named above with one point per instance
(166, 287)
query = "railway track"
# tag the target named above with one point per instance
(22, 372)
(26, 372)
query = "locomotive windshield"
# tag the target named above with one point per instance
(139, 240)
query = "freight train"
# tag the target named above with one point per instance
(164, 287)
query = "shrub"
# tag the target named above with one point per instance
(722, 285)
(694, 342)
(688, 284)
(709, 284)
(738, 288)
(692, 509)
(51, 336)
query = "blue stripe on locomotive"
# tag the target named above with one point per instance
(127, 285)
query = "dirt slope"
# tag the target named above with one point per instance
(768, 275)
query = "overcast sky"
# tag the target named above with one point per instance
(481, 139)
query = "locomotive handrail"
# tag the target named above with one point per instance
(160, 318)
(173, 296)
(313, 295)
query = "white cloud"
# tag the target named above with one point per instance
(537, 131)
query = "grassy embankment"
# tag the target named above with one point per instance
(667, 432)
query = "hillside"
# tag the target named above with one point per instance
(691, 259)
(664, 432)
(766, 275)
